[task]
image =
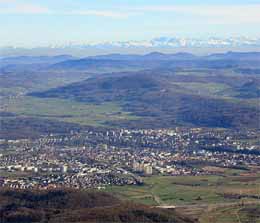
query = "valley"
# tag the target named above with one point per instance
(167, 137)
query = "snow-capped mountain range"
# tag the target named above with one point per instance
(171, 42)
(161, 44)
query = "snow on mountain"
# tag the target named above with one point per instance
(180, 42)
(162, 44)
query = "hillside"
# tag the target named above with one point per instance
(102, 65)
(164, 99)
(76, 206)
(139, 91)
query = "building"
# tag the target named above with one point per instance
(148, 169)
(65, 169)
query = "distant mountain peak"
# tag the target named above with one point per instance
(155, 53)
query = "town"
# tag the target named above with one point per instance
(105, 157)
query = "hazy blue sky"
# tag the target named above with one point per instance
(41, 22)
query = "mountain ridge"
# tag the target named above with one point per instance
(158, 96)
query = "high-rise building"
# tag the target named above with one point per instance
(65, 169)
(148, 169)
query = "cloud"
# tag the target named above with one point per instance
(14, 7)
(7, 1)
(28, 9)
(214, 13)
(210, 14)
(102, 13)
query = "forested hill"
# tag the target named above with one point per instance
(77, 206)
(164, 98)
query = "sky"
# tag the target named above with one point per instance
(46, 22)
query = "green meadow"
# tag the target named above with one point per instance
(67, 110)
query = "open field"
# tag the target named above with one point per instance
(67, 110)
(215, 198)
(181, 190)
